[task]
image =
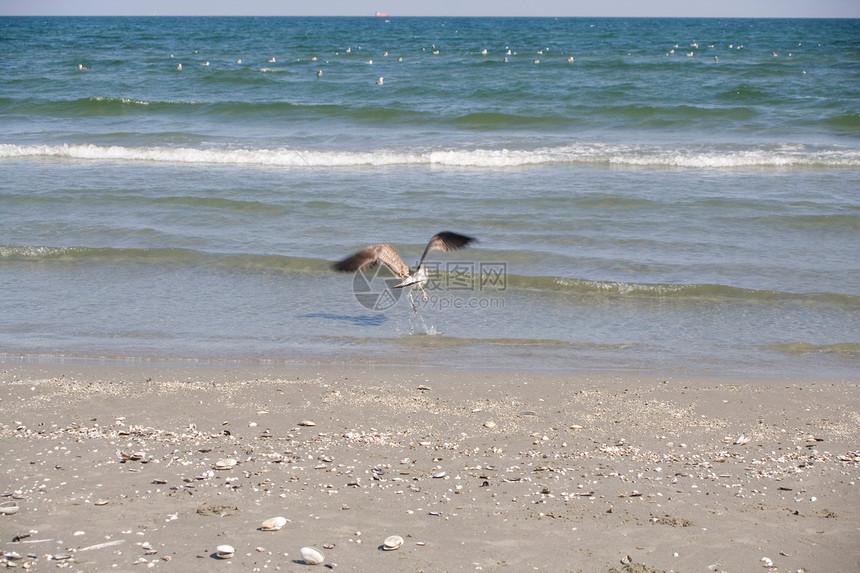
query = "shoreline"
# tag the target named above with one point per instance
(115, 467)
(266, 367)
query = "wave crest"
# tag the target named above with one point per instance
(566, 288)
(781, 156)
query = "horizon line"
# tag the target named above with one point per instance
(194, 15)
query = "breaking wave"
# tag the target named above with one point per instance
(609, 155)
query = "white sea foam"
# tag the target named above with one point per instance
(122, 100)
(786, 156)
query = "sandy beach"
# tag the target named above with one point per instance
(120, 468)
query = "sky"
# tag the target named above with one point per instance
(560, 8)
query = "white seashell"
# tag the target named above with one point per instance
(273, 524)
(225, 464)
(392, 543)
(311, 556)
(224, 551)
(307, 423)
(742, 440)
(8, 508)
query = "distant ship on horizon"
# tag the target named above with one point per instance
(382, 15)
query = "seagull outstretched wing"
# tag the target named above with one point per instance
(445, 241)
(370, 256)
(374, 254)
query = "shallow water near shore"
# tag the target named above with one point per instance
(150, 213)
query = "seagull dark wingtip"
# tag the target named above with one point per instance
(455, 240)
(357, 262)
(347, 265)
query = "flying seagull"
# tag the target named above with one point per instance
(372, 255)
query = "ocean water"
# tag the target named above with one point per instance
(656, 196)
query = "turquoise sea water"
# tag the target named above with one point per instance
(649, 195)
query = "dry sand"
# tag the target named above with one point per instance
(114, 469)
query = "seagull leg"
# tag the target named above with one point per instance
(412, 300)
(425, 294)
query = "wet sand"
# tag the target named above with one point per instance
(115, 468)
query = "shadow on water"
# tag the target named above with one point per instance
(364, 320)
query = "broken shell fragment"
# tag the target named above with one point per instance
(8, 508)
(273, 524)
(311, 556)
(391, 543)
(224, 551)
(225, 464)
(307, 423)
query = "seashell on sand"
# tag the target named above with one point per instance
(311, 556)
(273, 524)
(391, 543)
(307, 423)
(224, 551)
(225, 464)
(8, 508)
